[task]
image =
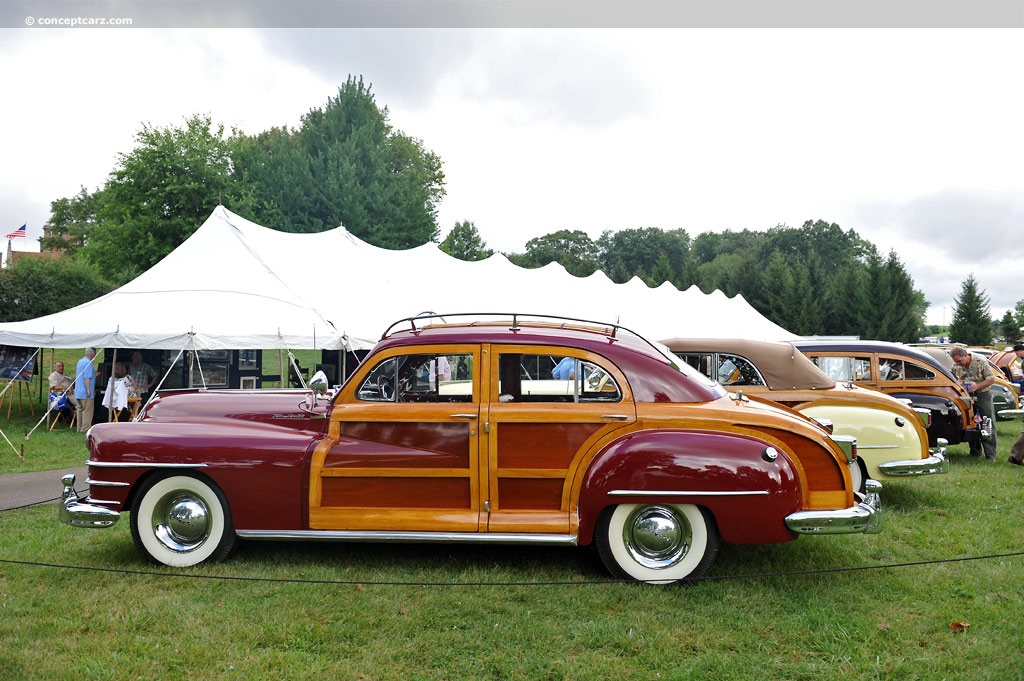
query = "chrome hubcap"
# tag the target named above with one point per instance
(181, 521)
(657, 537)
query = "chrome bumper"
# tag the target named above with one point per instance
(865, 517)
(936, 463)
(72, 511)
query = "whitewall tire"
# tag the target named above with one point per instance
(657, 543)
(181, 520)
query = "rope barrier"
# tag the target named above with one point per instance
(353, 582)
(711, 578)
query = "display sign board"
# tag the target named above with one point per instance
(17, 364)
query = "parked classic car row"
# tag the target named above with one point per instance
(1011, 366)
(635, 452)
(560, 432)
(1004, 396)
(892, 440)
(905, 373)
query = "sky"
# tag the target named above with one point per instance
(912, 137)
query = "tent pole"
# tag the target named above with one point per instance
(109, 397)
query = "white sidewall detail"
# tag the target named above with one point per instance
(674, 573)
(157, 549)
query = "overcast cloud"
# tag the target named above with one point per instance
(913, 138)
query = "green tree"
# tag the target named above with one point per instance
(820, 244)
(709, 245)
(848, 308)
(574, 250)
(345, 165)
(789, 296)
(819, 279)
(34, 287)
(896, 311)
(972, 323)
(464, 242)
(652, 254)
(727, 272)
(1018, 315)
(159, 194)
(71, 220)
(1009, 330)
(814, 255)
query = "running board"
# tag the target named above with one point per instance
(412, 537)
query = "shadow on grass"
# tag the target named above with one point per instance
(427, 563)
(905, 495)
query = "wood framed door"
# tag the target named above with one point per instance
(403, 450)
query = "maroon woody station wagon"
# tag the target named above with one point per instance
(460, 432)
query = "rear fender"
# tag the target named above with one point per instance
(749, 485)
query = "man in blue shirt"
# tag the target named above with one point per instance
(565, 369)
(85, 390)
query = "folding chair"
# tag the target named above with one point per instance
(61, 407)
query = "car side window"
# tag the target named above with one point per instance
(554, 378)
(420, 378)
(916, 372)
(836, 368)
(891, 370)
(736, 370)
(845, 368)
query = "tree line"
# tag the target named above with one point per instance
(345, 164)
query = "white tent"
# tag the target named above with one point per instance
(235, 284)
(212, 292)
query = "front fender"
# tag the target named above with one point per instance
(261, 469)
(734, 476)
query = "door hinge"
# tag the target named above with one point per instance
(487, 506)
(487, 426)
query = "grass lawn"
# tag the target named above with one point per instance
(939, 594)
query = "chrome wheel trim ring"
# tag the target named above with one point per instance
(181, 521)
(657, 537)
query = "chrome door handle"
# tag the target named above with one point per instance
(617, 417)
(463, 416)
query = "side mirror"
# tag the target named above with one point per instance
(318, 384)
(317, 387)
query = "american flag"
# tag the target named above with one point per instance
(18, 232)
